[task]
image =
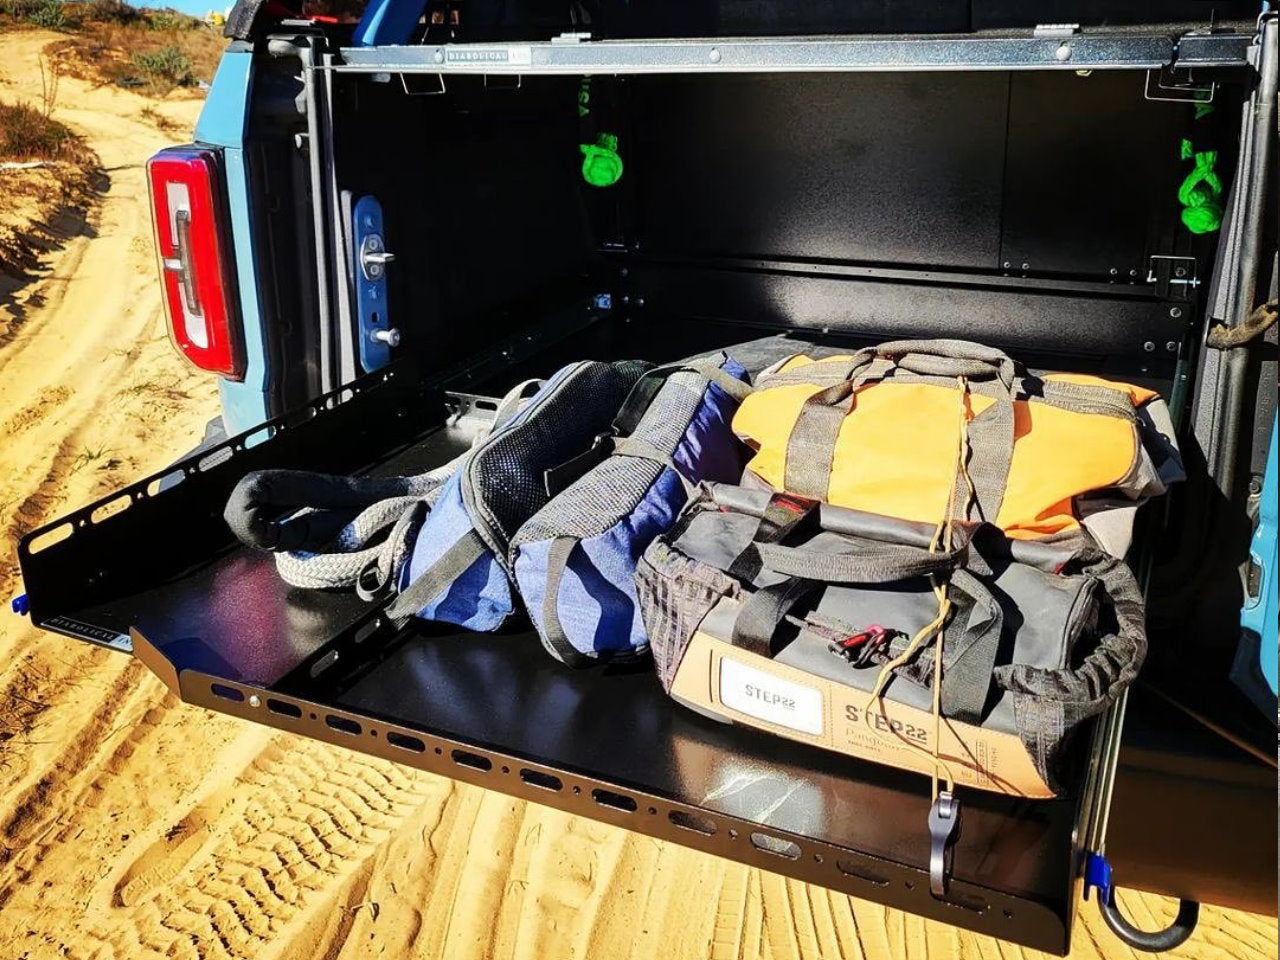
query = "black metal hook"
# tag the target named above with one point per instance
(1098, 874)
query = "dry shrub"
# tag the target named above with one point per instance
(28, 134)
(108, 41)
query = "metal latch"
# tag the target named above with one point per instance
(1045, 30)
(1174, 277)
(374, 257)
(376, 336)
(1168, 85)
(944, 828)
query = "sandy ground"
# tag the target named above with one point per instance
(132, 826)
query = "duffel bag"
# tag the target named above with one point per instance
(877, 431)
(574, 559)
(821, 624)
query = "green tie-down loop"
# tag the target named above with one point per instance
(1201, 192)
(601, 165)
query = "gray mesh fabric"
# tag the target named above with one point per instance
(610, 491)
(505, 475)
(593, 503)
(676, 592)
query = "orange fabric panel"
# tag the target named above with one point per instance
(896, 451)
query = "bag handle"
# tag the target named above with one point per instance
(968, 660)
(811, 445)
(951, 358)
(808, 570)
(651, 381)
(1104, 674)
(886, 564)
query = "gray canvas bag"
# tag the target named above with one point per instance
(1041, 636)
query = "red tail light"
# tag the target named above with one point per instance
(193, 242)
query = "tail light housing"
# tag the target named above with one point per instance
(193, 242)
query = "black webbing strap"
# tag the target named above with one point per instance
(437, 578)
(782, 516)
(552, 630)
(968, 654)
(647, 387)
(763, 612)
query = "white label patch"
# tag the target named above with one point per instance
(769, 698)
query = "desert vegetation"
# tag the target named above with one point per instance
(111, 42)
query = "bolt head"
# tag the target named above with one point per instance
(1180, 271)
(1175, 312)
(1026, 266)
(254, 700)
(714, 56)
(438, 56)
(1007, 264)
(1063, 53)
(1172, 346)
(1114, 271)
(1149, 346)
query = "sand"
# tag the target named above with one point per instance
(132, 826)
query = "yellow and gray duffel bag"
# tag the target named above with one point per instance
(928, 506)
(878, 431)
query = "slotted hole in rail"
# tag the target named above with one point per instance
(466, 758)
(851, 869)
(166, 482)
(619, 801)
(324, 663)
(284, 708)
(537, 778)
(227, 693)
(691, 821)
(211, 460)
(345, 724)
(110, 508)
(405, 742)
(964, 901)
(50, 537)
(776, 845)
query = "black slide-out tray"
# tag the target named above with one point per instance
(154, 569)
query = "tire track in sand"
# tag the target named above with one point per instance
(255, 854)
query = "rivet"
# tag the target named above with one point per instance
(438, 56)
(1063, 53)
(1026, 266)
(254, 701)
(714, 56)
(1175, 312)
(1149, 346)
(1172, 346)
(1007, 264)
(1114, 271)
(1133, 273)
(1180, 271)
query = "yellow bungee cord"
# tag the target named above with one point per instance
(943, 535)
